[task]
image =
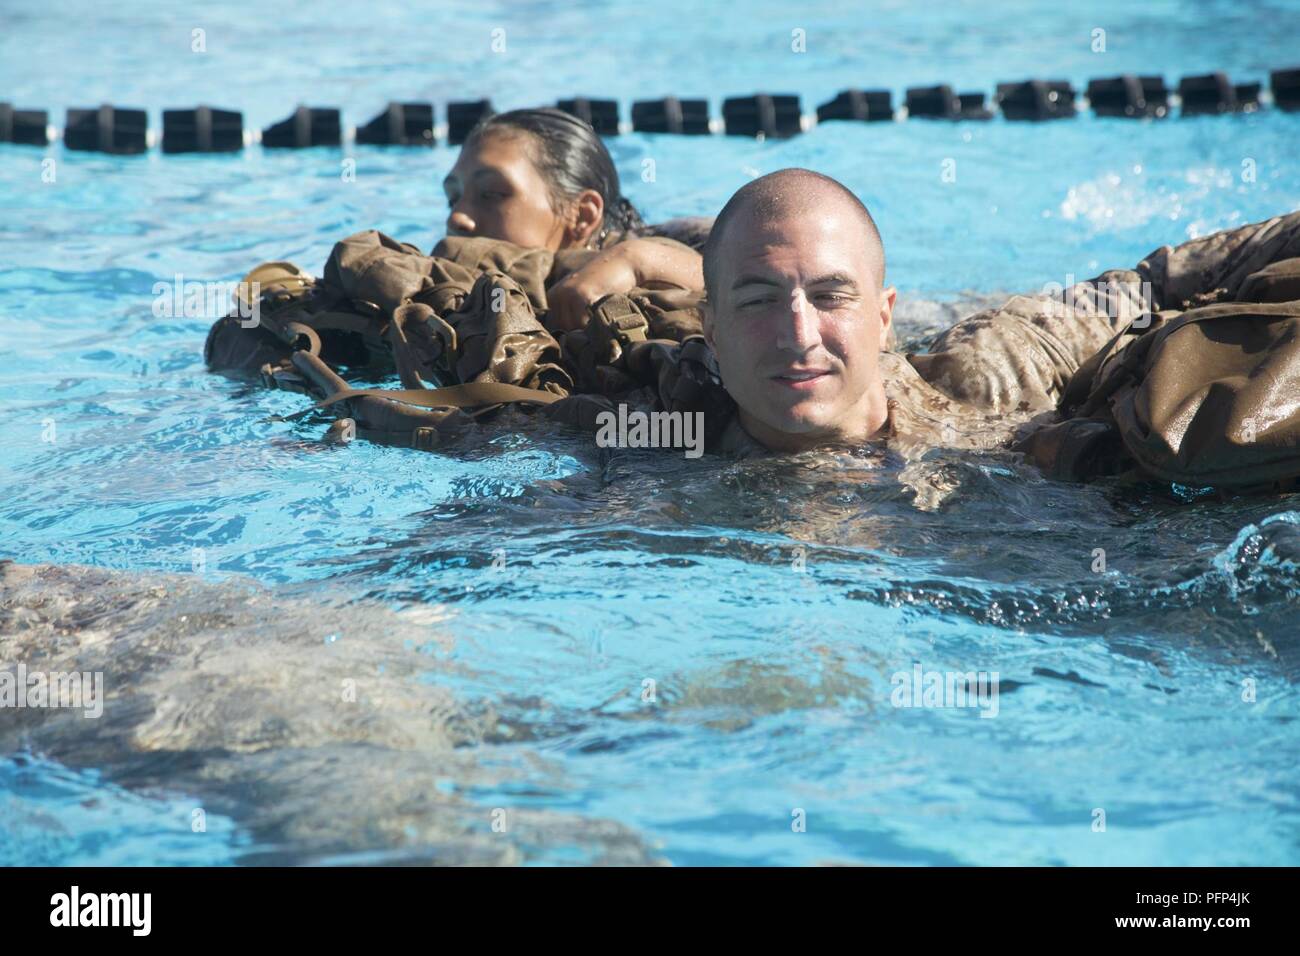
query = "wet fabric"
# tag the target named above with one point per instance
(1183, 368)
(472, 313)
(1203, 389)
(1169, 370)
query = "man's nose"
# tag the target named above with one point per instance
(458, 223)
(799, 332)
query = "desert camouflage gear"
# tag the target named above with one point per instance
(1185, 368)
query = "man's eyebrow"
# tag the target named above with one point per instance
(831, 278)
(754, 280)
(834, 278)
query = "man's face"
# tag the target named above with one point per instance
(798, 325)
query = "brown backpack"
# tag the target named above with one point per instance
(1205, 397)
(473, 329)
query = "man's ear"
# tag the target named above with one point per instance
(584, 217)
(887, 299)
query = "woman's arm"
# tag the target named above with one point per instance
(651, 262)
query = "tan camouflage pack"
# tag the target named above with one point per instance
(467, 321)
(1206, 397)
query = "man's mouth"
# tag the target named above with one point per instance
(801, 379)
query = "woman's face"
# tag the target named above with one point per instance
(496, 192)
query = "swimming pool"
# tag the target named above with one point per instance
(561, 654)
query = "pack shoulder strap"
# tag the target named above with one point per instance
(468, 395)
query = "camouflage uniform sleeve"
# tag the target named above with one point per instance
(1214, 268)
(1022, 355)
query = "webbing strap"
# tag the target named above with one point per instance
(468, 395)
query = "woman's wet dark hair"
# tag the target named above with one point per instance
(571, 158)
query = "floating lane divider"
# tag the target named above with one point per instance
(462, 117)
(1036, 100)
(205, 129)
(600, 115)
(107, 130)
(401, 124)
(308, 126)
(202, 130)
(671, 115)
(1129, 96)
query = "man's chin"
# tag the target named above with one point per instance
(804, 425)
(803, 417)
(798, 422)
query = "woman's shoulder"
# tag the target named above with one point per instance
(690, 231)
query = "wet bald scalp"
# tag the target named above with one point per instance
(782, 193)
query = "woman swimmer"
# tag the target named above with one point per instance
(543, 179)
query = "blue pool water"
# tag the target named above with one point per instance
(505, 609)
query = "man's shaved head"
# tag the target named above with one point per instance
(783, 193)
(797, 312)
